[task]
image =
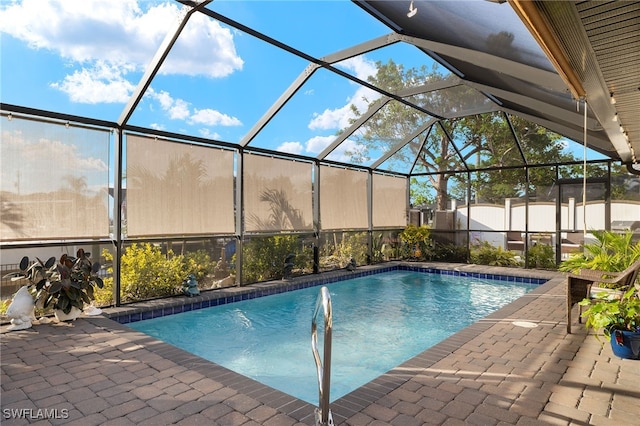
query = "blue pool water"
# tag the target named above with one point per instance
(379, 321)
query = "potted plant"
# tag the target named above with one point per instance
(619, 319)
(65, 286)
(612, 252)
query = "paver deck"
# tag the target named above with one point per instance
(95, 371)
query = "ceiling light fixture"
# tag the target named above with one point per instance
(412, 10)
(613, 100)
(621, 129)
(615, 117)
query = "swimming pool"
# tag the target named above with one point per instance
(379, 321)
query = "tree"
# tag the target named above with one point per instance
(455, 144)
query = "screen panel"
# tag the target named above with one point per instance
(277, 194)
(389, 201)
(343, 198)
(55, 181)
(178, 189)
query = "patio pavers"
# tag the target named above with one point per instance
(96, 371)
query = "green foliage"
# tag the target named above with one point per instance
(344, 248)
(611, 314)
(384, 246)
(104, 296)
(420, 192)
(416, 241)
(613, 252)
(449, 253)
(354, 246)
(379, 250)
(199, 264)
(263, 258)
(541, 256)
(485, 140)
(4, 305)
(486, 254)
(148, 273)
(61, 285)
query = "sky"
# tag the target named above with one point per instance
(87, 58)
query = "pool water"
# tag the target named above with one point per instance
(379, 321)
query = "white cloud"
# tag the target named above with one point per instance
(291, 147)
(124, 36)
(179, 109)
(176, 109)
(206, 133)
(317, 144)
(338, 118)
(101, 83)
(203, 48)
(332, 118)
(212, 117)
(339, 154)
(361, 67)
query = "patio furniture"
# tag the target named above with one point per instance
(571, 244)
(579, 285)
(515, 241)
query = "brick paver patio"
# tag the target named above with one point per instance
(95, 371)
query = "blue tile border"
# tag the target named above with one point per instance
(215, 298)
(498, 277)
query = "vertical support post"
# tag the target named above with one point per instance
(118, 202)
(316, 216)
(370, 216)
(239, 193)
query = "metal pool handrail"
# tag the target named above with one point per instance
(323, 416)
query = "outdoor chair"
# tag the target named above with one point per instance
(571, 244)
(579, 285)
(515, 241)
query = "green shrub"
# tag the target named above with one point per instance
(199, 264)
(486, 254)
(4, 305)
(383, 246)
(339, 254)
(353, 246)
(263, 258)
(449, 253)
(104, 296)
(541, 256)
(611, 252)
(146, 273)
(416, 242)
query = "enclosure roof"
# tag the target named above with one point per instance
(287, 76)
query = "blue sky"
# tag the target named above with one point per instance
(87, 57)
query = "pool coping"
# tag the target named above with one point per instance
(170, 306)
(355, 401)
